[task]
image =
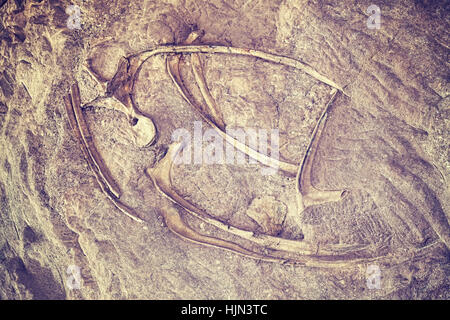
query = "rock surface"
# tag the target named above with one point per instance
(386, 141)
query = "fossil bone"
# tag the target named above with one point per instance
(213, 109)
(173, 69)
(120, 88)
(176, 224)
(142, 128)
(88, 141)
(84, 138)
(161, 176)
(307, 194)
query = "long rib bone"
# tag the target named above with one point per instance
(161, 176)
(213, 109)
(141, 57)
(95, 162)
(89, 143)
(307, 194)
(176, 224)
(174, 72)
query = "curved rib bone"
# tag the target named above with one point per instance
(176, 224)
(174, 72)
(336, 256)
(213, 109)
(141, 57)
(82, 134)
(89, 143)
(143, 132)
(307, 194)
(161, 176)
(173, 68)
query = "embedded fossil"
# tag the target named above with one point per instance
(142, 128)
(307, 194)
(173, 69)
(118, 97)
(179, 227)
(101, 172)
(271, 248)
(301, 252)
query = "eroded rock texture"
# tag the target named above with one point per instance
(385, 141)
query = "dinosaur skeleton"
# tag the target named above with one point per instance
(269, 248)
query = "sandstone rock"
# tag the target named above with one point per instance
(385, 141)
